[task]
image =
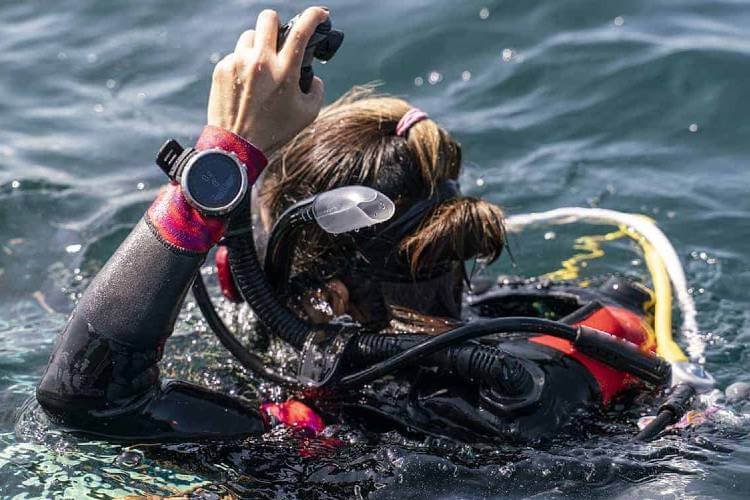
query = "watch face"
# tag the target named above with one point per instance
(214, 181)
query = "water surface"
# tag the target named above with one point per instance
(638, 106)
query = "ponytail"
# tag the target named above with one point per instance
(458, 229)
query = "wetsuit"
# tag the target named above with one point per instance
(103, 377)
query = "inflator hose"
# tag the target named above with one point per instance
(671, 411)
(619, 354)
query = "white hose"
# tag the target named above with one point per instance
(652, 234)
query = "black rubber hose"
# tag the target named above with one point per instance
(247, 359)
(481, 328)
(470, 361)
(254, 286)
(672, 410)
(658, 424)
(280, 250)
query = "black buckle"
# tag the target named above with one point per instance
(172, 157)
(168, 155)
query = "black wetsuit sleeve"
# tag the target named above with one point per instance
(103, 377)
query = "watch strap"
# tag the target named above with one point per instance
(178, 224)
(173, 158)
(248, 154)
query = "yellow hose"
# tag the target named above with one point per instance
(666, 347)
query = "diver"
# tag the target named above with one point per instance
(412, 351)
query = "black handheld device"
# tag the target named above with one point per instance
(322, 46)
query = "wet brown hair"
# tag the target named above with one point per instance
(354, 141)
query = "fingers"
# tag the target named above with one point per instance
(267, 31)
(245, 41)
(294, 47)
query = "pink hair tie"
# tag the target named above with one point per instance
(410, 118)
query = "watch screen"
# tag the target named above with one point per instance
(214, 180)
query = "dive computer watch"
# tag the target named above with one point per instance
(214, 181)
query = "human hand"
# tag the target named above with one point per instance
(255, 91)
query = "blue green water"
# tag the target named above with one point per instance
(639, 106)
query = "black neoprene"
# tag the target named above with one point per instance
(103, 377)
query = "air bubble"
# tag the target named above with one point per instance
(466, 76)
(619, 21)
(418, 81)
(507, 55)
(693, 127)
(434, 77)
(484, 13)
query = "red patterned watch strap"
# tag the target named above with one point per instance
(252, 157)
(178, 223)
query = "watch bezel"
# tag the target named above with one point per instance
(214, 210)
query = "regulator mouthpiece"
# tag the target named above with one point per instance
(351, 208)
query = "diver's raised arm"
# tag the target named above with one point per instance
(102, 376)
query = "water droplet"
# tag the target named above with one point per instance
(507, 55)
(619, 21)
(434, 77)
(693, 127)
(484, 13)
(129, 459)
(466, 75)
(418, 81)
(75, 248)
